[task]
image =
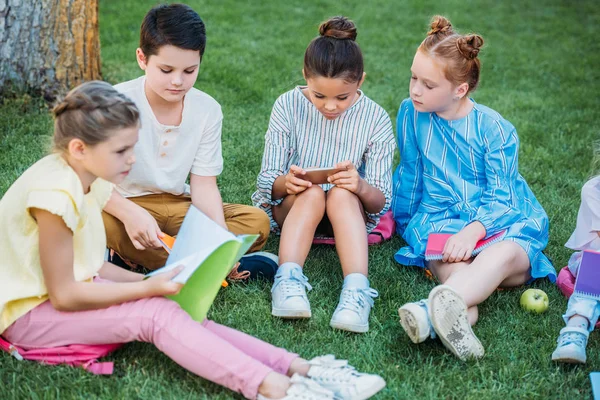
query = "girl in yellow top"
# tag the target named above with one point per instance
(53, 261)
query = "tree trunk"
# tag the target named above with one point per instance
(48, 46)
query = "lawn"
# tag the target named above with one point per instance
(540, 71)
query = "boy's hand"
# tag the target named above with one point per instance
(460, 246)
(161, 284)
(294, 184)
(348, 179)
(142, 229)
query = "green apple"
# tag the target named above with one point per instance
(534, 300)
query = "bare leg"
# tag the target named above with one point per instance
(298, 216)
(503, 264)
(347, 217)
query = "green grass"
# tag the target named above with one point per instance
(540, 71)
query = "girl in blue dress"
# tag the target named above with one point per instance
(459, 174)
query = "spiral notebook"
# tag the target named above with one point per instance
(437, 241)
(587, 283)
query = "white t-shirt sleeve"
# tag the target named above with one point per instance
(209, 158)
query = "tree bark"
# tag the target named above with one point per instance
(48, 46)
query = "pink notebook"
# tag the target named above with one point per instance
(587, 283)
(437, 241)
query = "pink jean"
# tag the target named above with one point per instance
(215, 352)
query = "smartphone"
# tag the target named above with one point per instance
(319, 175)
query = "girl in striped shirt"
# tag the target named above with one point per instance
(327, 123)
(459, 174)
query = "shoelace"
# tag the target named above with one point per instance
(355, 299)
(575, 338)
(304, 388)
(236, 275)
(293, 284)
(328, 369)
(425, 305)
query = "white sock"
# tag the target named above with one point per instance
(578, 321)
(356, 280)
(288, 266)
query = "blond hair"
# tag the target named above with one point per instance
(92, 112)
(458, 53)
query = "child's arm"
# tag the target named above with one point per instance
(290, 183)
(372, 199)
(141, 227)
(207, 198)
(115, 273)
(408, 176)
(67, 294)
(271, 181)
(496, 211)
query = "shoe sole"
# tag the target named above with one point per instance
(379, 385)
(410, 323)
(290, 314)
(568, 359)
(349, 327)
(448, 315)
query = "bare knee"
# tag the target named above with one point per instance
(314, 195)
(444, 270)
(340, 201)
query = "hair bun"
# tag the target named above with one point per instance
(338, 28)
(440, 25)
(469, 45)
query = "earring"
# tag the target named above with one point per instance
(456, 98)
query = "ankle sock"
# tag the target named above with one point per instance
(288, 266)
(356, 280)
(579, 322)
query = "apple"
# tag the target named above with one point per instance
(534, 300)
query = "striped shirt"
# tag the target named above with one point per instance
(299, 134)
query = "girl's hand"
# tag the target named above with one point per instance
(161, 284)
(294, 184)
(142, 229)
(460, 246)
(349, 179)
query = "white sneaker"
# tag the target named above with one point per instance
(289, 294)
(448, 315)
(342, 379)
(352, 312)
(303, 389)
(415, 321)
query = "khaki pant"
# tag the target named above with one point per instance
(169, 211)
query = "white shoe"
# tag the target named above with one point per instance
(352, 312)
(448, 315)
(303, 389)
(342, 379)
(288, 294)
(414, 319)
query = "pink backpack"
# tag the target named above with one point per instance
(75, 355)
(383, 231)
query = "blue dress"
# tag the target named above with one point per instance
(452, 173)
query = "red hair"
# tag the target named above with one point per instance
(456, 53)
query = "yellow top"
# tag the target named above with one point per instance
(51, 185)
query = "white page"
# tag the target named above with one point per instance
(197, 234)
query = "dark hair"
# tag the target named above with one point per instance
(92, 112)
(172, 24)
(457, 52)
(335, 54)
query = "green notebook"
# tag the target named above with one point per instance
(207, 252)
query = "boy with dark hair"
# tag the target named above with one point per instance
(180, 136)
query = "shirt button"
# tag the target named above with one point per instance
(168, 131)
(163, 154)
(165, 143)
